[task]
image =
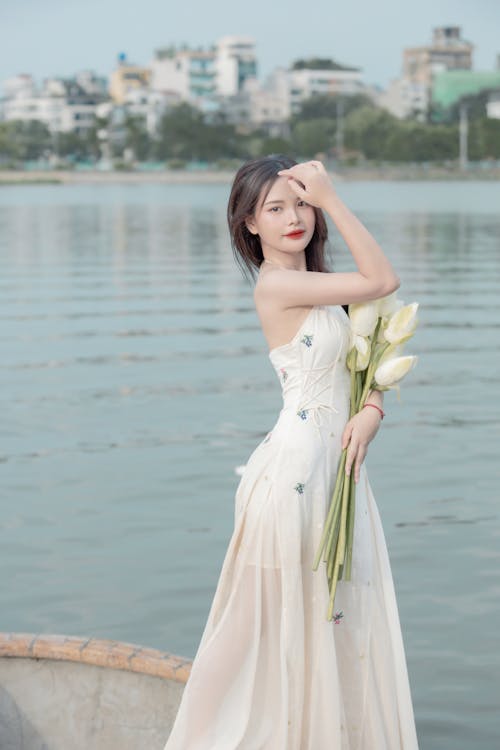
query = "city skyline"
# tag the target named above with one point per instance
(35, 38)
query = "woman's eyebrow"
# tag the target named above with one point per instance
(277, 201)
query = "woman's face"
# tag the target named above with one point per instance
(283, 221)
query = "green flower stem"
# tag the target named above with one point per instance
(333, 534)
(359, 386)
(331, 511)
(334, 565)
(350, 531)
(332, 528)
(367, 384)
(343, 518)
(353, 392)
(329, 614)
(330, 566)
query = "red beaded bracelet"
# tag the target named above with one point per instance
(376, 407)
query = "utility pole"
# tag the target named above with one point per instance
(340, 127)
(463, 130)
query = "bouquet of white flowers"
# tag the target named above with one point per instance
(379, 329)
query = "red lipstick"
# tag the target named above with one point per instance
(295, 235)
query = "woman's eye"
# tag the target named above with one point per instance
(275, 208)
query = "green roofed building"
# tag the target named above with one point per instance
(449, 86)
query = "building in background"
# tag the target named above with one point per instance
(271, 104)
(20, 101)
(304, 82)
(411, 94)
(493, 103)
(447, 51)
(493, 106)
(205, 77)
(63, 105)
(186, 75)
(235, 63)
(449, 87)
(150, 106)
(127, 77)
(257, 107)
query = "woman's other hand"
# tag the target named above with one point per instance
(358, 432)
(310, 181)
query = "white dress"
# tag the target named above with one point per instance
(271, 672)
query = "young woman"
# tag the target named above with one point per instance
(271, 671)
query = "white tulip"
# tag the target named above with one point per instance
(391, 353)
(359, 352)
(402, 324)
(394, 369)
(363, 317)
(387, 307)
(389, 304)
(381, 331)
(363, 352)
(363, 358)
(360, 343)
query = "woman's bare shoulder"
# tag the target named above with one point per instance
(279, 323)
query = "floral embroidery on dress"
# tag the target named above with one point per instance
(299, 487)
(337, 617)
(284, 374)
(302, 413)
(307, 339)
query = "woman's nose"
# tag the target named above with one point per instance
(292, 214)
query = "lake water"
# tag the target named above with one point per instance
(135, 378)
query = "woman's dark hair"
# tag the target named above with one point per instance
(250, 179)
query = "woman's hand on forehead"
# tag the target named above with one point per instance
(310, 181)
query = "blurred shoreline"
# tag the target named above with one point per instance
(200, 177)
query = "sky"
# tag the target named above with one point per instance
(47, 38)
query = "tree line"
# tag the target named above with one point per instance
(186, 135)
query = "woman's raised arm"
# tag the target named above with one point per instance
(375, 276)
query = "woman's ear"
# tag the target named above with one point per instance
(251, 226)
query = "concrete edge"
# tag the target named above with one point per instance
(96, 651)
(405, 173)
